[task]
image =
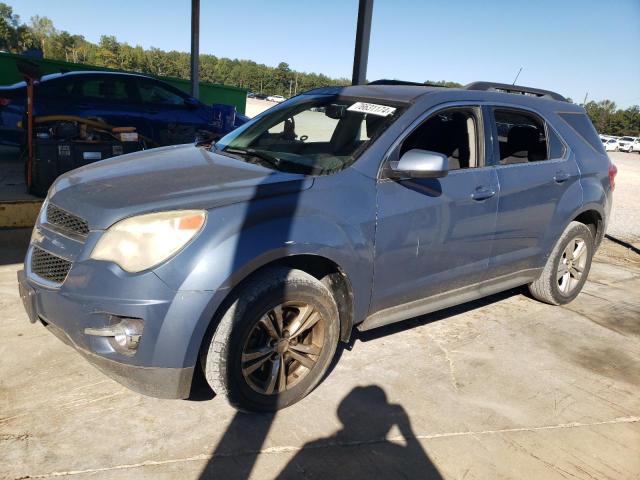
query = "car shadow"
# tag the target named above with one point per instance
(14, 243)
(376, 441)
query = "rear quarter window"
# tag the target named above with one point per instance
(583, 127)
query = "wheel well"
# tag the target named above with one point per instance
(330, 274)
(593, 220)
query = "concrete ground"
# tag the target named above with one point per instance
(501, 388)
(505, 387)
(256, 106)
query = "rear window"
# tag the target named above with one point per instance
(583, 126)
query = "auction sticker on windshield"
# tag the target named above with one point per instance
(372, 108)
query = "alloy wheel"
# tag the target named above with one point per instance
(571, 266)
(283, 347)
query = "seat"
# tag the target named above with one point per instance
(521, 144)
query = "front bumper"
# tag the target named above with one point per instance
(164, 363)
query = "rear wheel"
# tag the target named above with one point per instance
(275, 341)
(567, 267)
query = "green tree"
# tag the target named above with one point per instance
(42, 31)
(9, 24)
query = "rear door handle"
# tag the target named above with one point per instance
(561, 177)
(483, 193)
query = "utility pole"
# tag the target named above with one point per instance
(586, 95)
(363, 34)
(295, 91)
(195, 48)
(290, 85)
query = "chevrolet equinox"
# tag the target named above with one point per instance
(341, 208)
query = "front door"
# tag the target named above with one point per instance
(435, 235)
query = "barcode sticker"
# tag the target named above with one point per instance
(372, 108)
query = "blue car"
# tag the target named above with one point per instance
(338, 209)
(159, 111)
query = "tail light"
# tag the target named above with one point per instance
(613, 170)
(4, 101)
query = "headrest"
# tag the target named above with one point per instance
(522, 138)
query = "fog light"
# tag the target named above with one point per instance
(124, 335)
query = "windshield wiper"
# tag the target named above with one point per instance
(272, 160)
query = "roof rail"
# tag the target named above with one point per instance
(395, 82)
(402, 82)
(507, 88)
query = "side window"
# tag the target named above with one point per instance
(55, 88)
(151, 92)
(583, 126)
(556, 147)
(522, 137)
(107, 89)
(451, 132)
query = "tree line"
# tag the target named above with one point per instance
(40, 33)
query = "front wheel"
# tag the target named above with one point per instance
(274, 342)
(567, 267)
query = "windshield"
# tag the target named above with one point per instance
(312, 135)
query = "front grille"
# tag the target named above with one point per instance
(49, 266)
(66, 221)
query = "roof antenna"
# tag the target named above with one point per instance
(515, 79)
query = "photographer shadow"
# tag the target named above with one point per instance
(365, 447)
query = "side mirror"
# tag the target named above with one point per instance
(418, 163)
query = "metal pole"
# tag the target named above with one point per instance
(363, 33)
(195, 48)
(29, 132)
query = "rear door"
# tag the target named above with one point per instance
(539, 188)
(434, 235)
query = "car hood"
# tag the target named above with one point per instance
(168, 178)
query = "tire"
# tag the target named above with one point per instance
(554, 289)
(254, 329)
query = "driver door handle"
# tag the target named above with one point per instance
(483, 193)
(560, 177)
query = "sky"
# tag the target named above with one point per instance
(569, 46)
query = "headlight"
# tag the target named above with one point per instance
(142, 242)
